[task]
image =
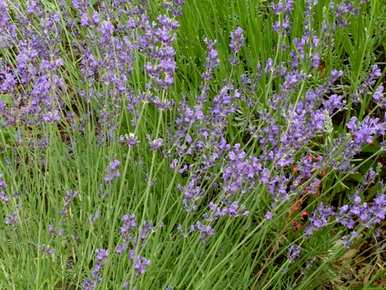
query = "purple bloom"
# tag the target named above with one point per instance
(129, 224)
(119, 249)
(112, 171)
(89, 284)
(237, 42)
(315, 60)
(369, 177)
(206, 231)
(156, 144)
(293, 253)
(157, 43)
(335, 102)
(347, 240)
(11, 219)
(107, 29)
(335, 75)
(345, 217)
(268, 215)
(365, 131)
(101, 255)
(378, 97)
(191, 192)
(69, 196)
(319, 218)
(131, 140)
(140, 263)
(374, 74)
(4, 197)
(211, 63)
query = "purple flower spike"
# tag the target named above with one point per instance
(112, 171)
(101, 255)
(237, 42)
(293, 252)
(140, 263)
(156, 144)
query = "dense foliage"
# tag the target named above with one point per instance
(197, 144)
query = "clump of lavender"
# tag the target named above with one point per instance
(34, 81)
(129, 224)
(174, 6)
(353, 215)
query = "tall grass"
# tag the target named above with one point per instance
(53, 239)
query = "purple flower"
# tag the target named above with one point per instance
(319, 218)
(237, 42)
(378, 97)
(365, 131)
(348, 239)
(211, 63)
(140, 263)
(89, 284)
(107, 29)
(157, 42)
(374, 74)
(293, 253)
(335, 102)
(69, 196)
(268, 215)
(120, 248)
(156, 144)
(4, 197)
(11, 219)
(206, 231)
(112, 171)
(315, 60)
(47, 250)
(335, 75)
(131, 140)
(129, 223)
(191, 192)
(101, 255)
(345, 217)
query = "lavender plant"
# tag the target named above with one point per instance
(192, 144)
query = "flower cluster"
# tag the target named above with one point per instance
(100, 257)
(112, 171)
(133, 233)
